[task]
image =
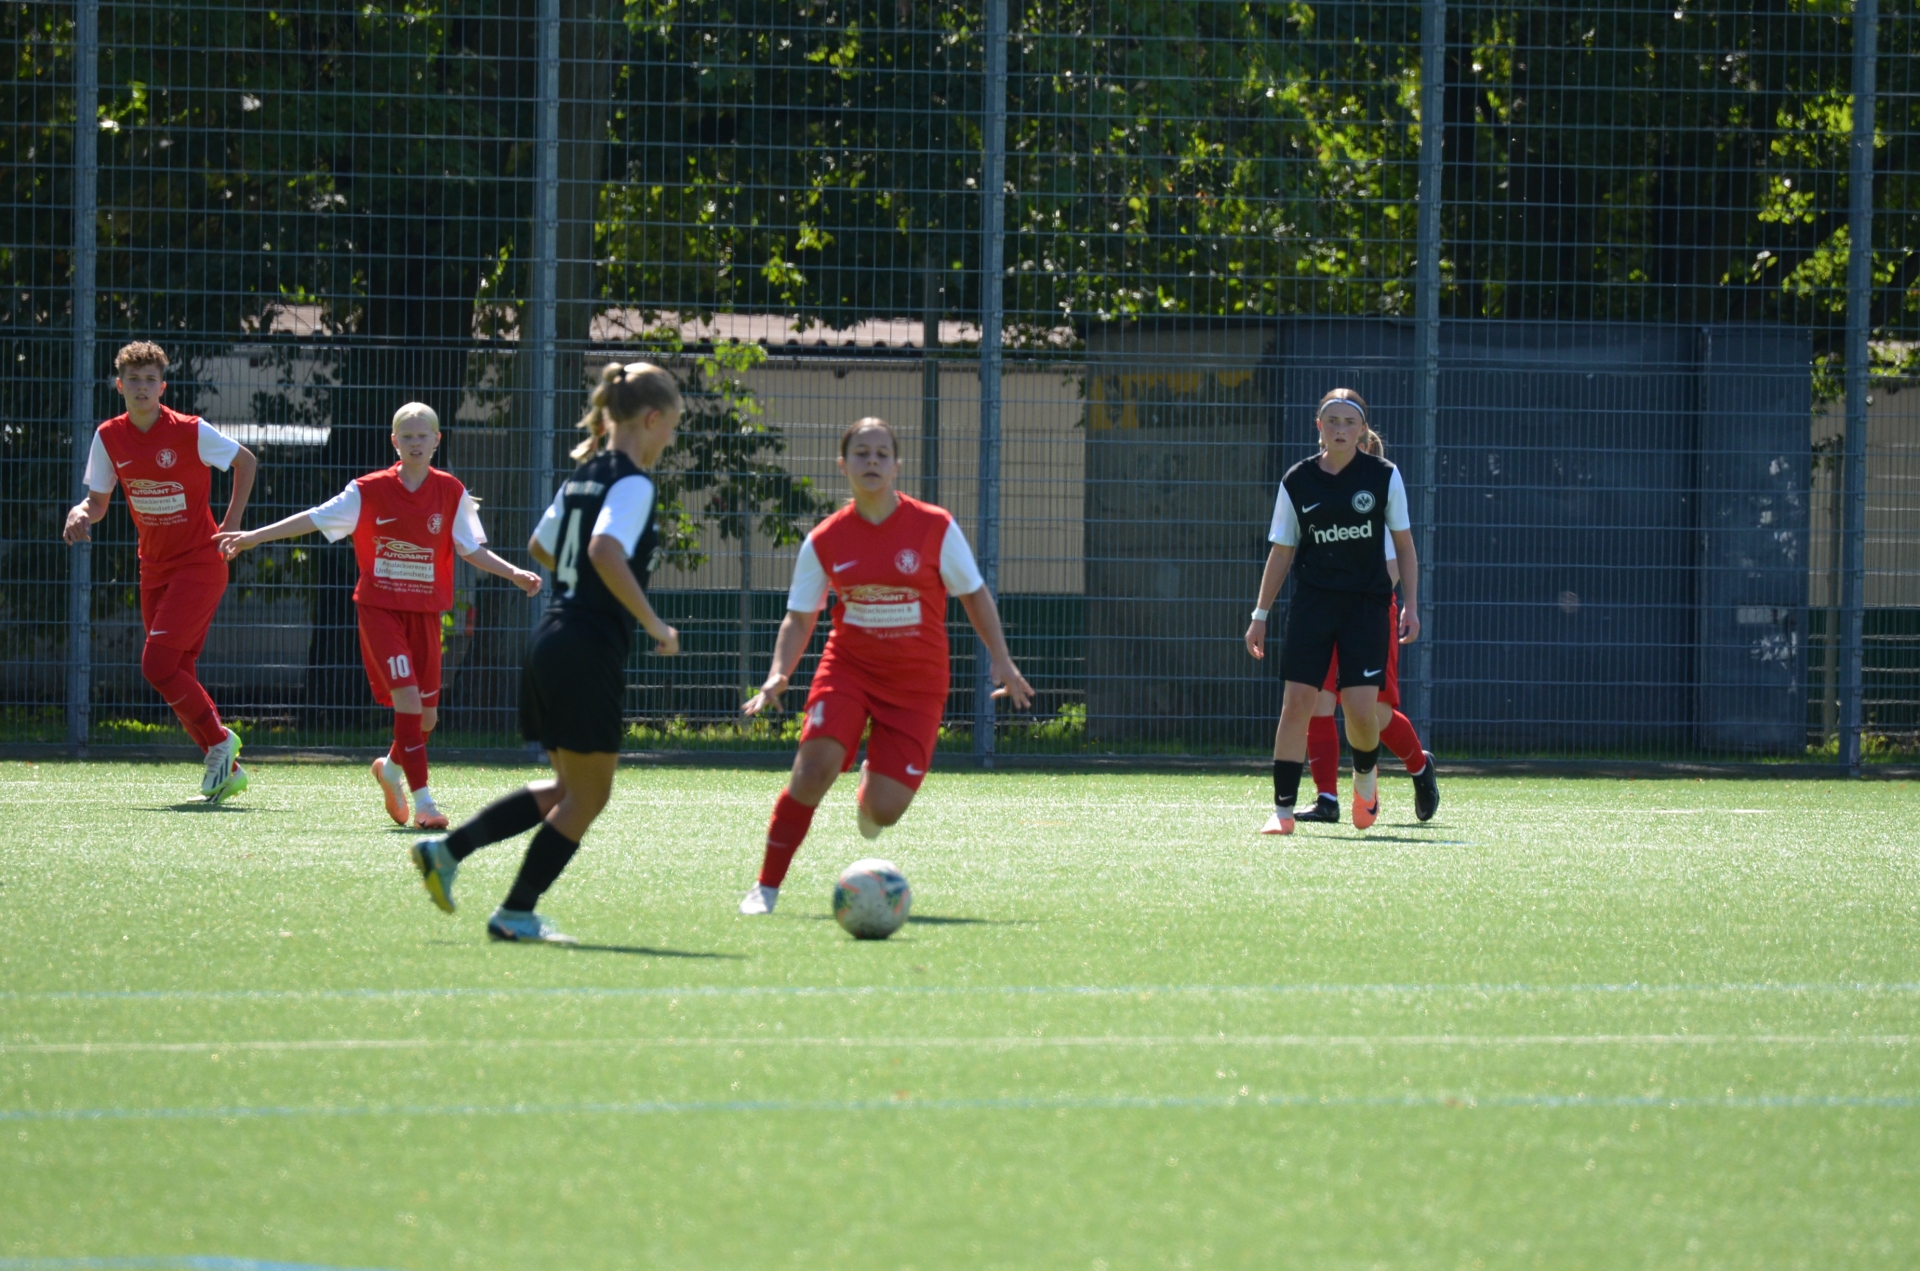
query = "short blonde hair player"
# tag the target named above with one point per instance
(408, 522)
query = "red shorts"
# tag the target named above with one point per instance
(904, 727)
(177, 607)
(1390, 684)
(401, 649)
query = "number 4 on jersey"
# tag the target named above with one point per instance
(566, 566)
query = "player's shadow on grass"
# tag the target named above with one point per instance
(935, 920)
(197, 806)
(1369, 837)
(633, 950)
(645, 951)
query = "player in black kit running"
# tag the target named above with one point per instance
(598, 538)
(1332, 518)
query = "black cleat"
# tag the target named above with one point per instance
(1426, 790)
(1326, 809)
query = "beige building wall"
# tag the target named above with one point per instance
(1893, 499)
(813, 399)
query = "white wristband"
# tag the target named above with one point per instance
(1260, 615)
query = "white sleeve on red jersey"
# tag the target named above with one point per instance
(216, 448)
(468, 537)
(809, 591)
(1397, 518)
(101, 477)
(337, 517)
(958, 570)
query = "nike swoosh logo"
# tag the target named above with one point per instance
(122, 465)
(1367, 675)
(411, 749)
(845, 565)
(916, 772)
(155, 633)
(1310, 507)
(382, 520)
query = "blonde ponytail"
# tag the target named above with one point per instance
(624, 395)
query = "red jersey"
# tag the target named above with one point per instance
(890, 583)
(404, 540)
(168, 488)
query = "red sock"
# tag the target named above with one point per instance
(785, 832)
(1399, 737)
(409, 748)
(1323, 752)
(170, 671)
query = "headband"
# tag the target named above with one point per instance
(1342, 401)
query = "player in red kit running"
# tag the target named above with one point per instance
(408, 522)
(165, 461)
(891, 562)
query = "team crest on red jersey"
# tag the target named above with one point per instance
(434, 523)
(908, 561)
(166, 458)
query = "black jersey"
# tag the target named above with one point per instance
(1338, 522)
(608, 494)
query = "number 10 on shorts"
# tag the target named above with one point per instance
(399, 667)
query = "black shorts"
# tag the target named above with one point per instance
(573, 687)
(1321, 621)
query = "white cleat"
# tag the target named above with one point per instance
(869, 828)
(1277, 824)
(393, 788)
(219, 769)
(517, 927)
(759, 899)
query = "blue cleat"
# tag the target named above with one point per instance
(517, 927)
(437, 870)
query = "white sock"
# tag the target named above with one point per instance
(423, 795)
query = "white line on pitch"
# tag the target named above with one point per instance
(693, 991)
(1295, 1040)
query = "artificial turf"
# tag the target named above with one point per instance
(1566, 1024)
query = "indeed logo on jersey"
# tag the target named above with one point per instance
(881, 608)
(156, 498)
(1342, 533)
(402, 561)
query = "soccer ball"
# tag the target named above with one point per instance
(871, 899)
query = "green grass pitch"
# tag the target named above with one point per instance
(1568, 1024)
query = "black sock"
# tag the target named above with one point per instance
(1365, 760)
(547, 855)
(502, 819)
(1286, 782)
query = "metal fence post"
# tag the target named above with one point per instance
(1426, 503)
(541, 334)
(992, 300)
(1853, 575)
(86, 194)
(746, 598)
(930, 381)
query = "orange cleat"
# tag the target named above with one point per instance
(393, 785)
(1366, 800)
(1277, 824)
(430, 818)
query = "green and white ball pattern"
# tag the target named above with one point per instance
(871, 899)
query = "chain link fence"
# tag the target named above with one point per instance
(1094, 260)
